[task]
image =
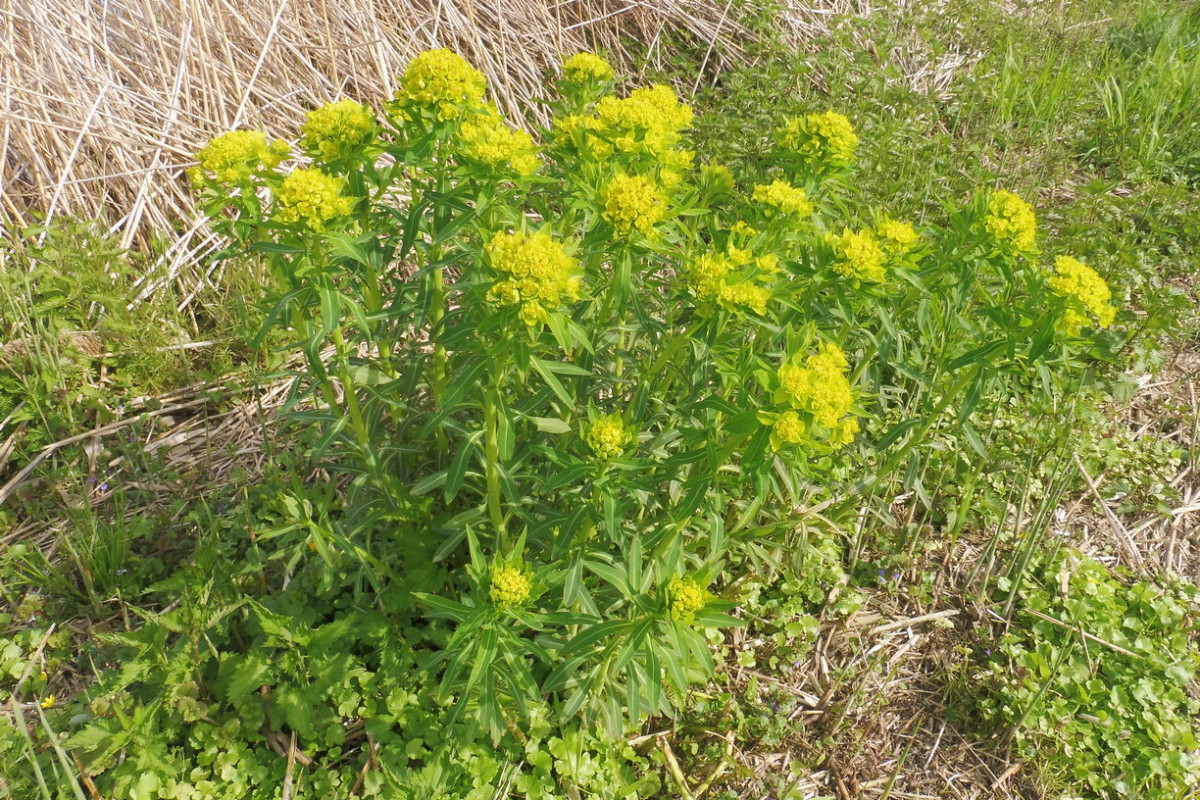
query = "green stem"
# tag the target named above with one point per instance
(492, 466)
(359, 424)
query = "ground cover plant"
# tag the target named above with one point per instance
(584, 427)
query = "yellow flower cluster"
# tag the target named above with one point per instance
(337, 130)
(858, 255)
(649, 120)
(608, 436)
(1086, 293)
(541, 274)
(716, 180)
(236, 156)
(824, 139)
(733, 279)
(821, 389)
(510, 586)
(1011, 221)
(686, 598)
(443, 81)
(782, 199)
(584, 67)
(632, 202)
(486, 139)
(788, 429)
(312, 197)
(898, 238)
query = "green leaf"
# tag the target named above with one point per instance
(243, 674)
(458, 467)
(543, 369)
(551, 424)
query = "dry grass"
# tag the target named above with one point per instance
(103, 104)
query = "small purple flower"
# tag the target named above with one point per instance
(104, 487)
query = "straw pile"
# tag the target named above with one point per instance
(103, 102)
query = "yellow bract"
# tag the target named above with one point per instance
(583, 67)
(541, 274)
(1011, 221)
(443, 81)
(686, 598)
(858, 255)
(649, 120)
(898, 237)
(1085, 291)
(312, 197)
(632, 202)
(236, 156)
(780, 198)
(733, 279)
(608, 436)
(510, 586)
(788, 429)
(821, 389)
(486, 139)
(820, 140)
(336, 130)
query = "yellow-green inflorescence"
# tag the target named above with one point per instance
(486, 139)
(735, 279)
(608, 437)
(633, 203)
(510, 586)
(539, 275)
(821, 390)
(1087, 295)
(649, 120)
(1011, 222)
(237, 156)
(788, 429)
(897, 238)
(858, 254)
(585, 67)
(685, 597)
(312, 197)
(826, 139)
(781, 199)
(443, 82)
(338, 130)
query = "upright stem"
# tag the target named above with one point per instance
(359, 424)
(492, 465)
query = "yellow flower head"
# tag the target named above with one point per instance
(608, 437)
(585, 67)
(780, 198)
(485, 138)
(237, 156)
(820, 140)
(788, 429)
(336, 130)
(312, 197)
(685, 598)
(898, 238)
(1084, 291)
(510, 586)
(734, 279)
(632, 202)
(858, 255)
(821, 389)
(49, 701)
(441, 80)
(649, 120)
(538, 274)
(1011, 221)
(717, 180)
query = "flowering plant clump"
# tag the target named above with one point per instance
(782, 199)
(443, 82)
(857, 254)
(821, 141)
(237, 156)
(1011, 221)
(462, 320)
(338, 131)
(541, 275)
(585, 67)
(686, 597)
(633, 203)
(487, 140)
(509, 586)
(608, 437)
(311, 197)
(821, 389)
(1085, 292)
